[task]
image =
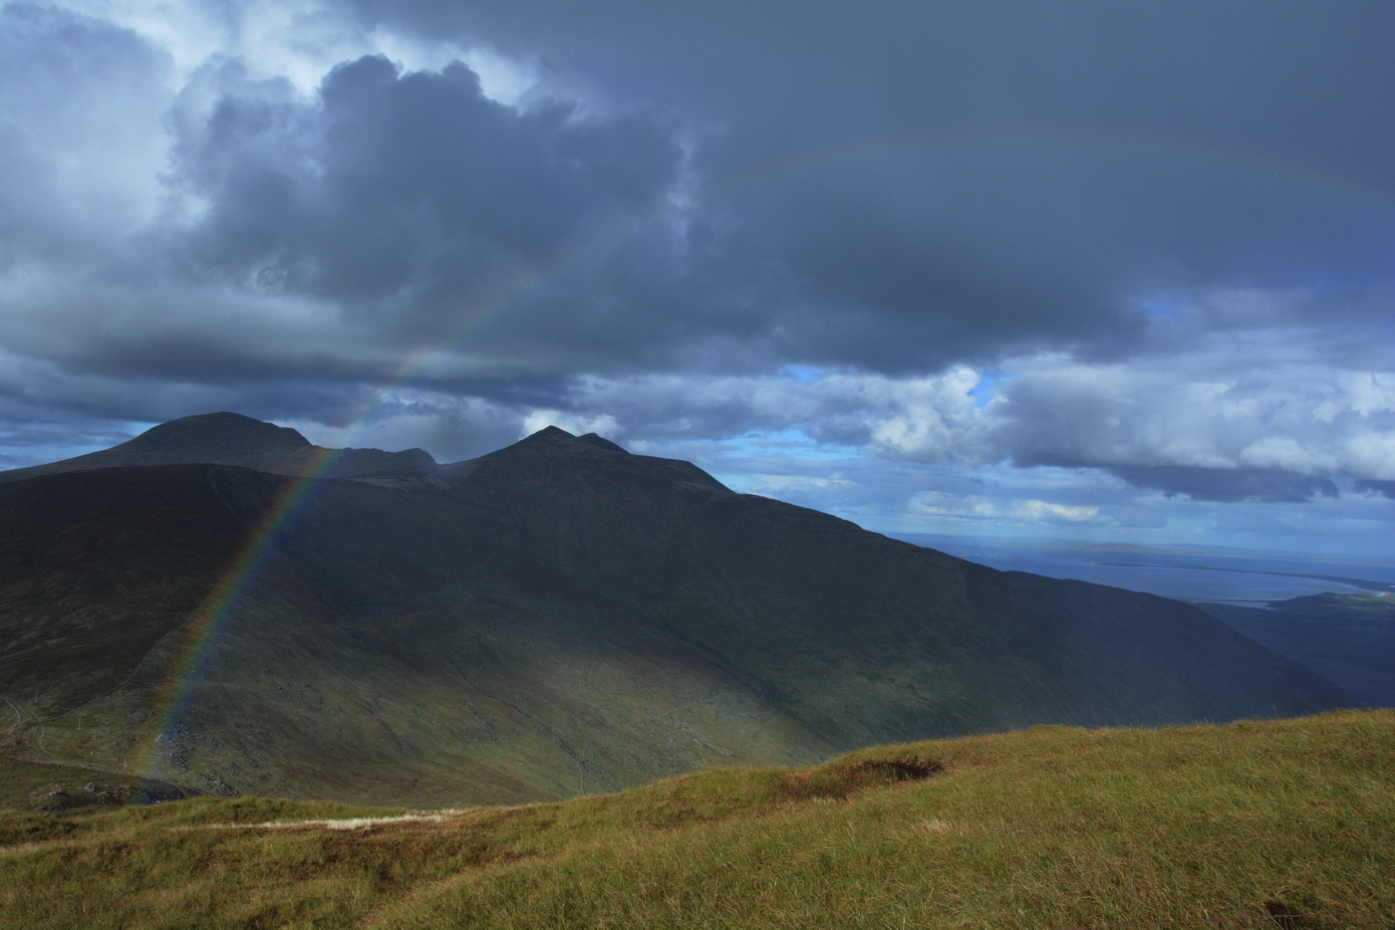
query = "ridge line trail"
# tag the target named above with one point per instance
(334, 823)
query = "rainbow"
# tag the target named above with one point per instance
(197, 636)
(200, 632)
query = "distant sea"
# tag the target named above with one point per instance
(1218, 576)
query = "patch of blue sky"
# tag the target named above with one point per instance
(988, 383)
(746, 484)
(804, 374)
(791, 443)
(1162, 307)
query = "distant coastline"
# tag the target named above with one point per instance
(1251, 578)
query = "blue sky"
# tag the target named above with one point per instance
(1080, 271)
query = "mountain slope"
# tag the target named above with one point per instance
(1348, 638)
(806, 603)
(553, 618)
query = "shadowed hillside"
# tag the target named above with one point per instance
(1348, 638)
(558, 617)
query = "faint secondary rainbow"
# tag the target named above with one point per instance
(201, 631)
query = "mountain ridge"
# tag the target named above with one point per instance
(552, 618)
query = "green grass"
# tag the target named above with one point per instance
(1049, 827)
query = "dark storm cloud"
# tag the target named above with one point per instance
(1227, 486)
(1383, 488)
(1165, 232)
(890, 190)
(406, 194)
(92, 91)
(939, 181)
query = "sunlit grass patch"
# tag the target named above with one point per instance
(1050, 827)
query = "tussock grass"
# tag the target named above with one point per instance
(1050, 827)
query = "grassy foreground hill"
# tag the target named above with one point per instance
(1243, 825)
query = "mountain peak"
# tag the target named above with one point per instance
(226, 438)
(550, 433)
(219, 434)
(600, 442)
(556, 436)
(553, 458)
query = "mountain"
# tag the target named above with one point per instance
(558, 617)
(1347, 638)
(233, 439)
